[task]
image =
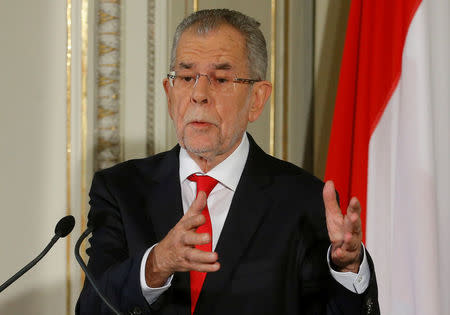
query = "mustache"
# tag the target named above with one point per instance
(191, 117)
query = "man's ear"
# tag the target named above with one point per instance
(260, 94)
(166, 85)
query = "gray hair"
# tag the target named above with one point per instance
(207, 20)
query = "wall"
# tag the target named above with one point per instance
(329, 33)
(33, 160)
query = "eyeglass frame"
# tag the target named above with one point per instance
(172, 76)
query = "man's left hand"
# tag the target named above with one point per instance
(345, 231)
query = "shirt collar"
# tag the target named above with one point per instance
(228, 172)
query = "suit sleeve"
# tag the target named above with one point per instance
(116, 273)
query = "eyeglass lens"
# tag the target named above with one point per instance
(217, 81)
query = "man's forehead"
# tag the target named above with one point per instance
(221, 48)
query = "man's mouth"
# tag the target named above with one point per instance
(200, 124)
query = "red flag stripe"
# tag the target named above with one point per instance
(370, 71)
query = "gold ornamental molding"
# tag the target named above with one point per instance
(286, 82)
(105, 17)
(195, 5)
(68, 146)
(84, 127)
(104, 49)
(150, 123)
(103, 81)
(273, 39)
(108, 33)
(107, 120)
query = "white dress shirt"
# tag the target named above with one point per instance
(228, 174)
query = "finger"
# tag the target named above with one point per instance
(354, 206)
(353, 217)
(197, 205)
(337, 255)
(348, 252)
(198, 256)
(352, 227)
(345, 253)
(351, 243)
(192, 238)
(333, 213)
(205, 267)
(329, 198)
(192, 222)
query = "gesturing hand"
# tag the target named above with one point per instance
(344, 230)
(177, 252)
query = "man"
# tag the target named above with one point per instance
(259, 243)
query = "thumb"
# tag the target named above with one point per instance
(329, 198)
(197, 205)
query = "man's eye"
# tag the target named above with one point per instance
(222, 80)
(187, 78)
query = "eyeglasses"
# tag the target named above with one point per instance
(220, 81)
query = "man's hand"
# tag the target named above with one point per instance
(177, 252)
(344, 231)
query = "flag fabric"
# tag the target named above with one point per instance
(381, 149)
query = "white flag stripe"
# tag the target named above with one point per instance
(402, 230)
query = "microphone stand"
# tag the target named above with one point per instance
(62, 229)
(30, 264)
(88, 274)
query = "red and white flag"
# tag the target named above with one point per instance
(381, 149)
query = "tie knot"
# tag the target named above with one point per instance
(204, 183)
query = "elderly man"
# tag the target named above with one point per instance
(216, 226)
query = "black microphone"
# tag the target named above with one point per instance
(93, 223)
(62, 229)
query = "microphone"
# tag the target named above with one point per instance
(62, 229)
(91, 226)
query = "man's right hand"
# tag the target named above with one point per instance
(177, 252)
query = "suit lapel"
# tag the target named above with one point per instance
(163, 194)
(165, 209)
(247, 211)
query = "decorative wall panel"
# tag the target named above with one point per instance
(150, 78)
(107, 126)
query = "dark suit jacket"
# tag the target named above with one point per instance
(272, 249)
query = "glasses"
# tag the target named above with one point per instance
(220, 81)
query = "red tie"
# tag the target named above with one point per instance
(206, 184)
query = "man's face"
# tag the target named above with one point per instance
(208, 122)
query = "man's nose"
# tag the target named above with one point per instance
(200, 91)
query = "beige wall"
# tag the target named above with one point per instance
(330, 25)
(33, 160)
